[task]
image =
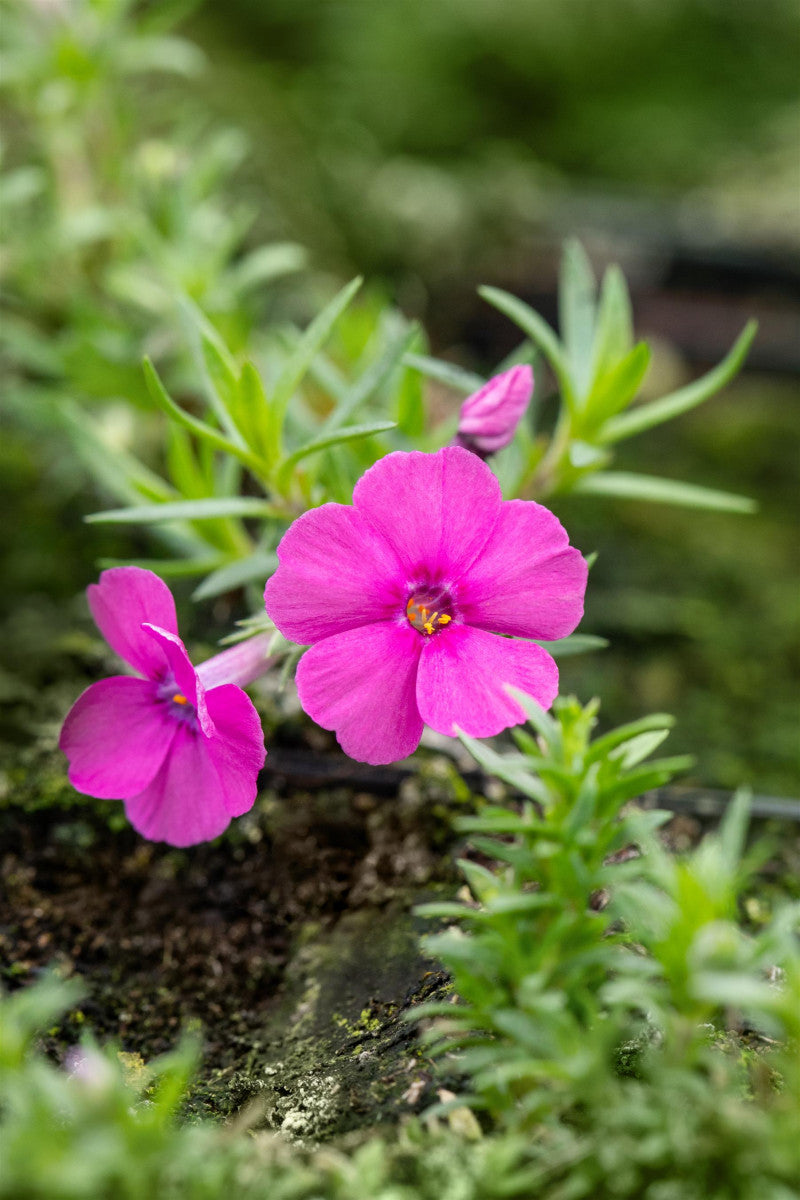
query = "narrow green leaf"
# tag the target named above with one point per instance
(576, 313)
(337, 437)
(267, 263)
(544, 724)
(733, 828)
(538, 331)
(617, 388)
(372, 379)
(254, 411)
(232, 575)
(603, 746)
(167, 568)
(199, 428)
(576, 643)
(447, 373)
(628, 486)
(410, 403)
(184, 510)
(202, 334)
(614, 331)
(516, 776)
(300, 358)
(686, 398)
(638, 748)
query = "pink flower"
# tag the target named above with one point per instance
(401, 598)
(182, 747)
(490, 417)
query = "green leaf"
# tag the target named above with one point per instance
(203, 336)
(614, 332)
(544, 724)
(640, 747)
(337, 437)
(538, 331)
(301, 357)
(733, 828)
(617, 388)
(576, 643)
(372, 378)
(167, 568)
(234, 574)
(686, 398)
(444, 372)
(576, 313)
(224, 379)
(199, 428)
(628, 486)
(267, 263)
(512, 773)
(602, 746)
(410, 403)
(184, 510)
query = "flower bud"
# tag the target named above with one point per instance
(490, 417)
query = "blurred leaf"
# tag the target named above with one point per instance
(634, 751)
(614, 332)
(199, 428)
(185, 510)
(325, 441)
(410, 401)
(163, 53)
(300, 359)
(269, 262)
(576, 643)
(538, 331)
(234, 574)
(444, 372)
(167, 568)
(373, 377)
(626, 485)
(603, 746)
(686, 398)
(576, 313)
(615, 389)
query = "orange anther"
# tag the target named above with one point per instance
(179, 699)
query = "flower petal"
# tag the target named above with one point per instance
(490, 417)
(116, 737)
(334, 574)
(462, 678)
(528, 581)
(121, 602)
(237, 748)
(361, 683)
(185, 802)
(186, 678)
(436, 511)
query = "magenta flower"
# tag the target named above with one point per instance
(402, 596)
(182, 747)
(489, 418)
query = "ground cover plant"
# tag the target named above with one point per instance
(408, 920)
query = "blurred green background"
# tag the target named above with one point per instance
(431, 145)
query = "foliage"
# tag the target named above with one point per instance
(597, 978)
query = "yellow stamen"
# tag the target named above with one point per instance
(444, 619)
(428, 627)
(179, 699)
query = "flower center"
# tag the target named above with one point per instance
(429, 610)
(179, 706)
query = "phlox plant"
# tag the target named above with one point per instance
(596, 977)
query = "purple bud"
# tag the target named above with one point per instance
(490, 417)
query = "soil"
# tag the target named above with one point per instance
(289, 944)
